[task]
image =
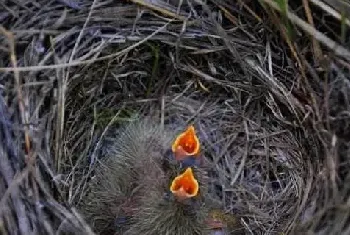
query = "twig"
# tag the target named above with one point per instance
(228, 14)
(85, 62)
(159, 9)
(329, 10)
(250, 11)
(326, 41)
(62, 92)
(13, 59)
(315, 44)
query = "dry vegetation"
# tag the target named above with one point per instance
(267, 86)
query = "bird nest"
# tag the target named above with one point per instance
(271, 114)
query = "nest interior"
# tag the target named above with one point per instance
(271, 116)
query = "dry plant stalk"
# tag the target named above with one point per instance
(269, 134)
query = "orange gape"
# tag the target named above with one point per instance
(185, 185)
(186, 144)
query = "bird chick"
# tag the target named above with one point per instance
(186, 148)
(185, 185)
(146, 185)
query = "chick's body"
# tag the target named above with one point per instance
(130, 192)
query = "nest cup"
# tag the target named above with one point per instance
(273, 159)
(244, 167)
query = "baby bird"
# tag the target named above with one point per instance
(151, 182)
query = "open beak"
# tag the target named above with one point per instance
(185, 185)
(186, 144)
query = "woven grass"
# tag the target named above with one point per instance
(266, 86)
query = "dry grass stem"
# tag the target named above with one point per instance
(266, 84)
